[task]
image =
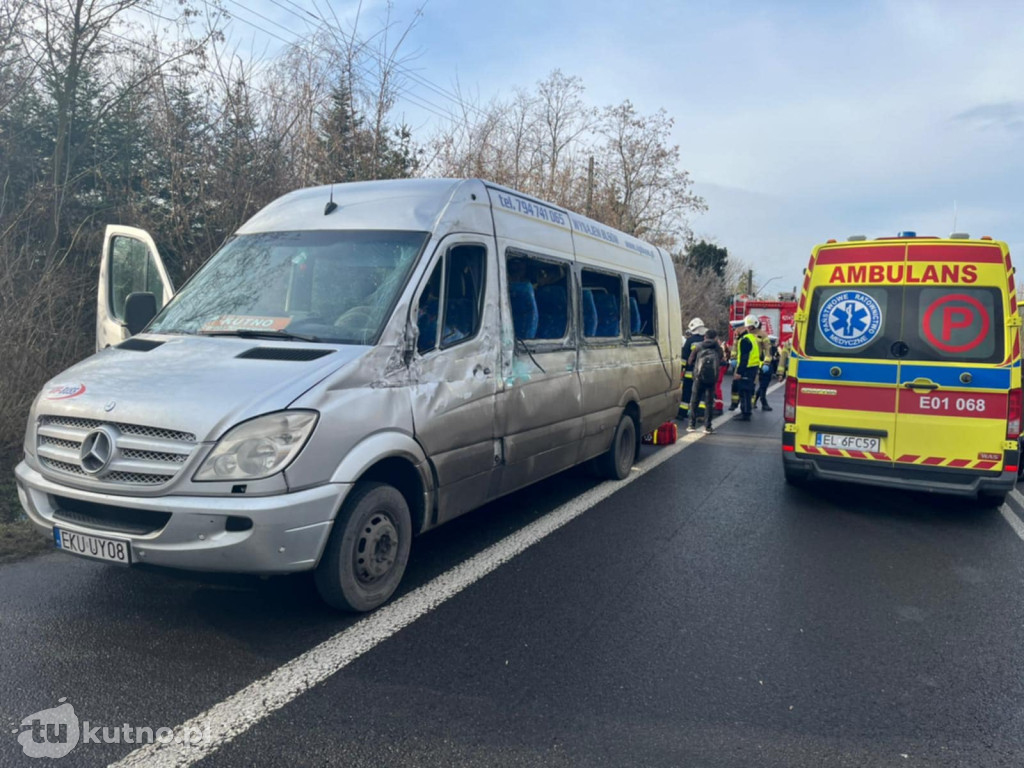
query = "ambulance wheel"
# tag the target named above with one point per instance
(991, 500)
(618, 461)
(366, 554)
(794, 477)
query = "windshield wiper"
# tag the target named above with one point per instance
(250, 333)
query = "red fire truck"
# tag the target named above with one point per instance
(776, 316)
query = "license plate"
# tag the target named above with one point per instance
(97, 547)
(849, 442)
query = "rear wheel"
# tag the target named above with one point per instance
(991, 500)
(618, 461)
(794, 477)
(368, 549)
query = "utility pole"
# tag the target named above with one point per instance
(750, 282)
(590, 187)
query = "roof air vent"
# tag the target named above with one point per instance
(856, 238)
(959, 236)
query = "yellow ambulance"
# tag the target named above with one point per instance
(906, 367)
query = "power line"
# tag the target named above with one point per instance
(417, 100)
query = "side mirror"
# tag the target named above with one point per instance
(139, 309)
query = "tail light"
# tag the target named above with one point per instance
(1013, 415)
(789, 410)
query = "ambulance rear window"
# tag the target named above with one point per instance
(954, 324)
(860, 321)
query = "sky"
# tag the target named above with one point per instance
(798, 121)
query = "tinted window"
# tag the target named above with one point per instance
(641, 309)
(428, 310)
(854, 322)
(464, 292)
(954, 324)
(601, 305)
(538, 294)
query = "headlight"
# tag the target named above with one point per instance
(258, 448)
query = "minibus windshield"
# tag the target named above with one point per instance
(334, 286)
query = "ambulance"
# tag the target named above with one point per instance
(906, 367)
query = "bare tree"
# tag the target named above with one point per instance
(643, 189)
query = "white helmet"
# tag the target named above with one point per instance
(751, 321)
(696, 325)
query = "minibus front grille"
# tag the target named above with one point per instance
(141, 456)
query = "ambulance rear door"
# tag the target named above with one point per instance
(956, 367)
(848, 378)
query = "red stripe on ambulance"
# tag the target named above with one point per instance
(847, 397)
(961, 254)
(866, 255)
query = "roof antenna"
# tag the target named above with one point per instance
(331, 205)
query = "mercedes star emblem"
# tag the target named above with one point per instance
(96, 452)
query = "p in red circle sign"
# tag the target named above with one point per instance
(955, 323)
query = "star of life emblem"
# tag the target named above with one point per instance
(850, 319)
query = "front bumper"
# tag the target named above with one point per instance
(958, 482)
(288, 531)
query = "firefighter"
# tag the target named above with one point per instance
(695, 331)
(748, 364)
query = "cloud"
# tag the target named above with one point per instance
(1008, 115)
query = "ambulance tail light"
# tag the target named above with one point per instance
(1013, 415)
(789, 409)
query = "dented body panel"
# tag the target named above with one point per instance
(479, 410)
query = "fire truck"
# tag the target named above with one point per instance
(776, 316)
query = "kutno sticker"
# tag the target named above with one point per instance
(850, 319)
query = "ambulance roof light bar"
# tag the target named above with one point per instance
(907, 233)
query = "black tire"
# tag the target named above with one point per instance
(368, 549)
(618, 461)
(794, 477)
(991, 500)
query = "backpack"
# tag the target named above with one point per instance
(705, 370)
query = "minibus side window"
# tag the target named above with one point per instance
(601, 305)
(463, 295)
(427, 312)
(538, 293)
(455, 314)
(641, 309)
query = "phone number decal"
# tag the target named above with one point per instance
(532, 209)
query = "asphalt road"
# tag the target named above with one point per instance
(706, 614)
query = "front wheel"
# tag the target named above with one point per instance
(618, 461)
(366, 554)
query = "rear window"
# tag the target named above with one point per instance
(861, 322)
(954, 324)
(935, 323)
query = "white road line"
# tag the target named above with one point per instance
(1011, 517)
(239, 712)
